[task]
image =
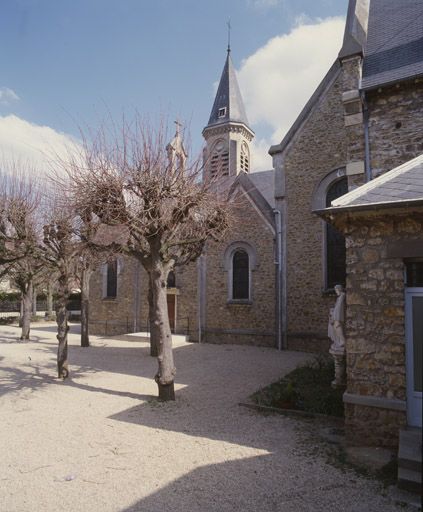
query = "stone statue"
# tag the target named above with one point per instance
(337, 320)
(336, 334)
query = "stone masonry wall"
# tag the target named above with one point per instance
(395, 125)
(375, 325)
(254, 323)
(120, 315)
(320, 147)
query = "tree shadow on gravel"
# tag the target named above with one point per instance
(14, 380)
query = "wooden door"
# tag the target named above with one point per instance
(171, 310)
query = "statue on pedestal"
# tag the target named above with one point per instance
(337, 335)
(337, 319)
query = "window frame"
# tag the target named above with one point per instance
(221, 113)
(228, 258)
(104, 272)
(319, 203)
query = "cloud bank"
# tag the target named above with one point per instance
(41, 146)
(279, 78)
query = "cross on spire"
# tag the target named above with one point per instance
(178, 126)
(229, 34)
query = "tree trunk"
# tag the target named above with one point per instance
(49, 315)
(85, 295)
(166, 372)
(62, 335)
(26, 308)
(154, 331)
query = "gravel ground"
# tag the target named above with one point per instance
(101, 442)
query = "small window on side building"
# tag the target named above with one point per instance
(240, 275)
(111, 289)
(414, 273)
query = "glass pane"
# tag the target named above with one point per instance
(417, 341)
(414, 274)
(335, 241)
(240, 276)
(111, 279)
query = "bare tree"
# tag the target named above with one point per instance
(59, 250)
(19, 234)
(90, 257)
(145, 192)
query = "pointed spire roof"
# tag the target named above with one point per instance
(228, 105)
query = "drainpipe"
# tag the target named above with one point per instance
(367, 167)
(201, 296)
(136, 306)
(278, 263)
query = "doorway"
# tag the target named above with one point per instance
(171, 310)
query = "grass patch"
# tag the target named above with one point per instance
(307, 388)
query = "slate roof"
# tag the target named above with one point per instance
(394, 48)
(404, 184)
(260, 188)
(264, 181)
(228, 96)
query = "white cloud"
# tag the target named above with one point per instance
(39, 146)
(279, 78)
(7, 96)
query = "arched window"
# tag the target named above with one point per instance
(240, 275)
(111, 279)
(335, 241)
(171, 280)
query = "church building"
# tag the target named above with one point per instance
(271, 281)
(230, 294)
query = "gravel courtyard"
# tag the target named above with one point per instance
(101, 442)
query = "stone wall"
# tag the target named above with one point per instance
(128, 312)
(375, 328)
(253, 323)
(319, 148)
(395, 125)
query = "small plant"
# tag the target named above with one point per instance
(307, 388)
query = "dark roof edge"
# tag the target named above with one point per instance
(334, 210)
(324, 84)
(391, 82)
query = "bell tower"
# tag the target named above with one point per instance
(227, 134)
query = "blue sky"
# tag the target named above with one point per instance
(67, 62)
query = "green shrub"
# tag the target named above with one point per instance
(307, 388)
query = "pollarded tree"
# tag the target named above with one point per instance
(143, 191)
(19, 234)
(59, 251)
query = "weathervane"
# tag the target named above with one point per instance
(229, 34)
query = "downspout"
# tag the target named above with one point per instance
(136, 306)
(201, 296)
(278, 263)
(367, 167)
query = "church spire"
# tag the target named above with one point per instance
(228, 105)
(227, 134)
